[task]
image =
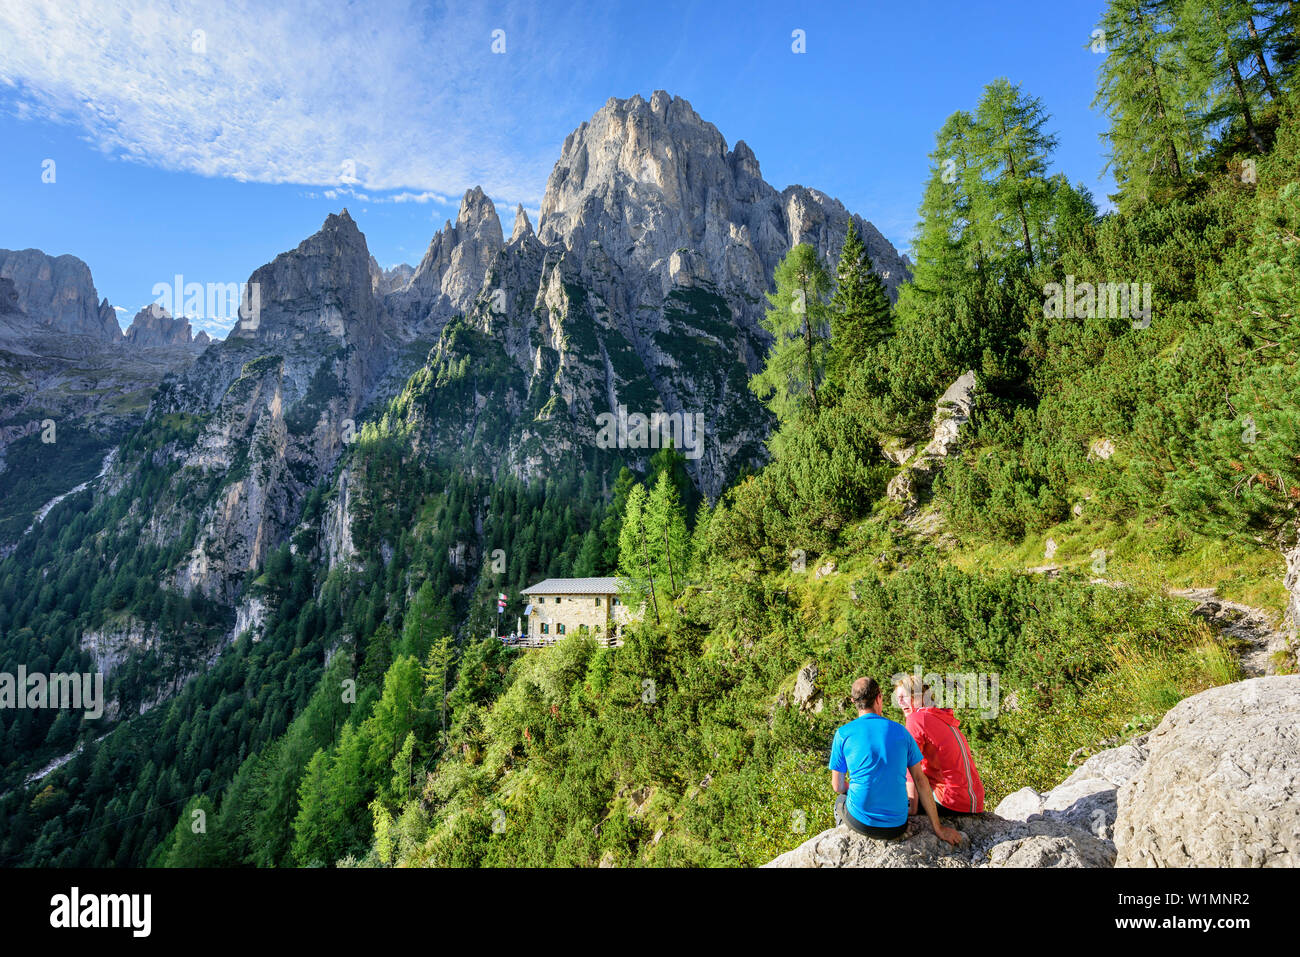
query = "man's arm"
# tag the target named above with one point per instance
(927, 802)
(839, 782)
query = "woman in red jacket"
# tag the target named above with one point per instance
(948, 763)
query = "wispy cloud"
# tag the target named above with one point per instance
(378, 97)
(404, 196)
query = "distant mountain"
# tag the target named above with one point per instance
(71, 385)
(155, 328)
(58, 294)
(642, 289)
(384, 281)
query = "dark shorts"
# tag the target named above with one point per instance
(949, 812)
(842, 816)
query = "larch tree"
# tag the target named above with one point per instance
(1222, 66)
(665, 521)
(636, 567)
(1011, 152)
(1142, 87)
(945, 248)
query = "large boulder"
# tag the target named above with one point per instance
(1088, 798)
(1221, 783)
(952, 411)
(988, 841)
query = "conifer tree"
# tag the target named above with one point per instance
(945, 247)
(438, 681)
(669, 459)
(612, 523)
(859, 310)
(1011, 152)
(798, 321)
(1142, 88)
(1222, 66)
(587, 564)
(1280, 35)
(636, 566)
(665, 522)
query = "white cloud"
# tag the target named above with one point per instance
(405, 196)
(377, 97)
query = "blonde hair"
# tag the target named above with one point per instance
(911, 686)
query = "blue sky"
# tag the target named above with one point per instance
(205, 138)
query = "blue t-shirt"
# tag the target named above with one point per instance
(875, 753)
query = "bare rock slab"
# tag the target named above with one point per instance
(1221, 783)
(989, 841)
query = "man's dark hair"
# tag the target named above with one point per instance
(864, 693)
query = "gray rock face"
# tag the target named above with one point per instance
(643, 180)
(14, 324)
(1219, 787)
(643, 287)
(450, 275)
(384, 281)
(989, 841)
(336, 526)
(9, 298)
(58, 294)
(322, 288)
(154, 328)
(277, 395)
(952, 412)
(110, 646)
(1087, 799)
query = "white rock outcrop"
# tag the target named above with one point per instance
(951, 414)
(1221, 783)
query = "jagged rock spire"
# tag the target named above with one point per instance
(522, 226)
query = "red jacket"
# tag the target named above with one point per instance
(947, 760)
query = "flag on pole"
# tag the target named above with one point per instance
(501, 602)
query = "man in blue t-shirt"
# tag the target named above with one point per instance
(870, 760)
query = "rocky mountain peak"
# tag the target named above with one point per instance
(451, 273)
(478, 219)
(522, 226)
(323, 286)
(644, 180)
(58, 294)
(155, 328)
